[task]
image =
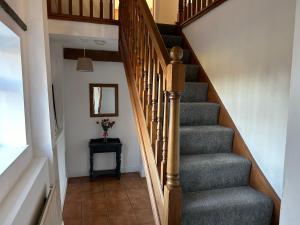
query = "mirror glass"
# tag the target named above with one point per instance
(104, 100)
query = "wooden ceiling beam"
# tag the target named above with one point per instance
(95, 55)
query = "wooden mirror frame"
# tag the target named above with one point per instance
(115, 86)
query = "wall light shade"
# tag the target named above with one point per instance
(85, 64)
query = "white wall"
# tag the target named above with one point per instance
(291, 197)
(57, 67)
(246, 48)
(90, 30)
(79, 127)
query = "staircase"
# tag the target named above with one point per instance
(214, 181)
(198, 169)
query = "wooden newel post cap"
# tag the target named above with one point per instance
(176, 72)
(176, 54)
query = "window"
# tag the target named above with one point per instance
(12, 115)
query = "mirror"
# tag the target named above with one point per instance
(104, 100)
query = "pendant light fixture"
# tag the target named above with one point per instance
(84, 64)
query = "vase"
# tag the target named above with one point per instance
(105, 135)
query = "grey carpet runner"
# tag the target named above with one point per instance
(215, 181)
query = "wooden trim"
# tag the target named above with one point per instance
(257, 178)
(82, 19)
(115, 86)
(202, 13)
(151, 172)
(13, 15)
(95, 55)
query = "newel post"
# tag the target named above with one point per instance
(172, 189)
(180, 12)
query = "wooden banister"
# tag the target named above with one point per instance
(191, 10)
(92, 11)
(157, 80)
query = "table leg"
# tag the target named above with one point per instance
(91, 165)
(118, 161)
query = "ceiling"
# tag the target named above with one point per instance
(86, 42)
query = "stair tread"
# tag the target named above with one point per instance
(199, 113)
(207, 128)
(230, 206)
(210, 171)
(205, 139)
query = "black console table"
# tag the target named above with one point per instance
(99, 146)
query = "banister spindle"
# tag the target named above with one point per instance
(59, 7)
(198, 6)
(91, 9)
(111, 9)
(193, 7)
(81, 7)
(165, 129)
(70, 7)
(151, 84)
(101, 9)
(145, 73)
(185, 8)
(180, 11)
(172, 190)
(154, 107)
(158, 143)
(189, 9)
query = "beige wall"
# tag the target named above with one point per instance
(165, 11)
(246, 49)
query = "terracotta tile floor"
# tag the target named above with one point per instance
(108, 201)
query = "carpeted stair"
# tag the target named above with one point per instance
(215, 181)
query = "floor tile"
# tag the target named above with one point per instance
(144, 216)
(94, 208)
(140, 203)
(92, 187)
(72, 221)
(116, 196)
(91, 196)
(124, 220)
(72, 210)
(108, 201)
(96, 220)
(113, 185)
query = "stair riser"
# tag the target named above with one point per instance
(192, 142)
(191, 73)
(171, 41)
(199, 114)
(211, 174)
(168, 29)
(195, 92)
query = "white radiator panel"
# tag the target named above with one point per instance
(51, 214)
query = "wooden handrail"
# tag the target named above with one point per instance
(156, 79)
(83, 10)
(191, 10)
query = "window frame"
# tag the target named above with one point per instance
(10, 175)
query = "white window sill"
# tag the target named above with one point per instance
(8, 155)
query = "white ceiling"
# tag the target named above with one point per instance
(87, 42)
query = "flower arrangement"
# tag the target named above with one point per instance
(106, 124)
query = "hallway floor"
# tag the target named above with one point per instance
(108, 201)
